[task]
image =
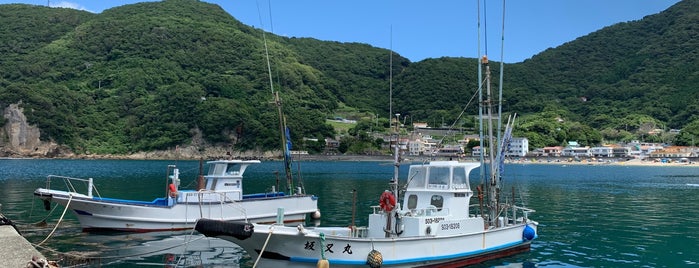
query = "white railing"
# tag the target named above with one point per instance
(70, 182)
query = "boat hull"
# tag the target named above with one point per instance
(290, 247)
(135, 216)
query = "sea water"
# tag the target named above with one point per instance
(589, 215)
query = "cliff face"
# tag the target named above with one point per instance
(19, 139)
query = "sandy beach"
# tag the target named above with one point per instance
(602, 162)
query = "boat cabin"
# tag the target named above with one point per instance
(227, 175)
(437, 186)
(224, 182)
(436, 200)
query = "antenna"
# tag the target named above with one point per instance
(390, 76)
(264, 38)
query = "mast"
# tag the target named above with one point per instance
(283, 129)
(493, 174)
(480, 100)
(396, 158)
(285, 143)
(396, 161)
(393, 184)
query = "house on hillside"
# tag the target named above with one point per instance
(602, 151)
(575, 150)
(332, 146)
(519, 147)
(672, 152)
(555, 151)
(476, 151)
(416, 147)
(621, 151)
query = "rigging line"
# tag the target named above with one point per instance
(271, 23)
(271, 30)
(460, 115)
(502, 70)
(264, 38)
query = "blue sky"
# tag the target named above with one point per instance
(419, 30)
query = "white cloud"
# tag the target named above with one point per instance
(66, 4)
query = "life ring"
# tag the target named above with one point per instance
(387, 201)
(173, 190)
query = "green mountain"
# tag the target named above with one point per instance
(155, 75)
(638, 75)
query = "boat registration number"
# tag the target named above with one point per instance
(451, 226)
(433, 220)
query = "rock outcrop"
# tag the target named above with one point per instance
(19, 139)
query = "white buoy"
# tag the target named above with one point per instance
(315, 215)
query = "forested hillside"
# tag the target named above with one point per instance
(623, 80)
(155, 75)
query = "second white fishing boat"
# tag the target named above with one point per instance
(221, 198)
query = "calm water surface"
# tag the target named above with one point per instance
(590, 216)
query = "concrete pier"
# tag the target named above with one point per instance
(15, 250)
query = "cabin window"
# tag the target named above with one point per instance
(416, 178)
(217, 169)
(437, 201)
(439, 177)
(233, 169)
(412, 201)
(460, 180)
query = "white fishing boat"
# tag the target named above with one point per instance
(220, 198)
(432, 227)
(427, 220)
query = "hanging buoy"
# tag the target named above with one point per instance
(374, 259)
(323, 264)
(528, 233)
(315, 215)
(387, 201)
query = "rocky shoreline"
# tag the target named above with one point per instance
(220, 153)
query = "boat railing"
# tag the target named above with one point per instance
(417, 212)
(428, 211)
(511, 213)
(85, 185)
(359, 231)
(524, 210)
(203, 197)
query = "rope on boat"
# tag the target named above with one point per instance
(31, 215)
(271, 229)
(42, 221)
(323, 262)
(70, 198)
